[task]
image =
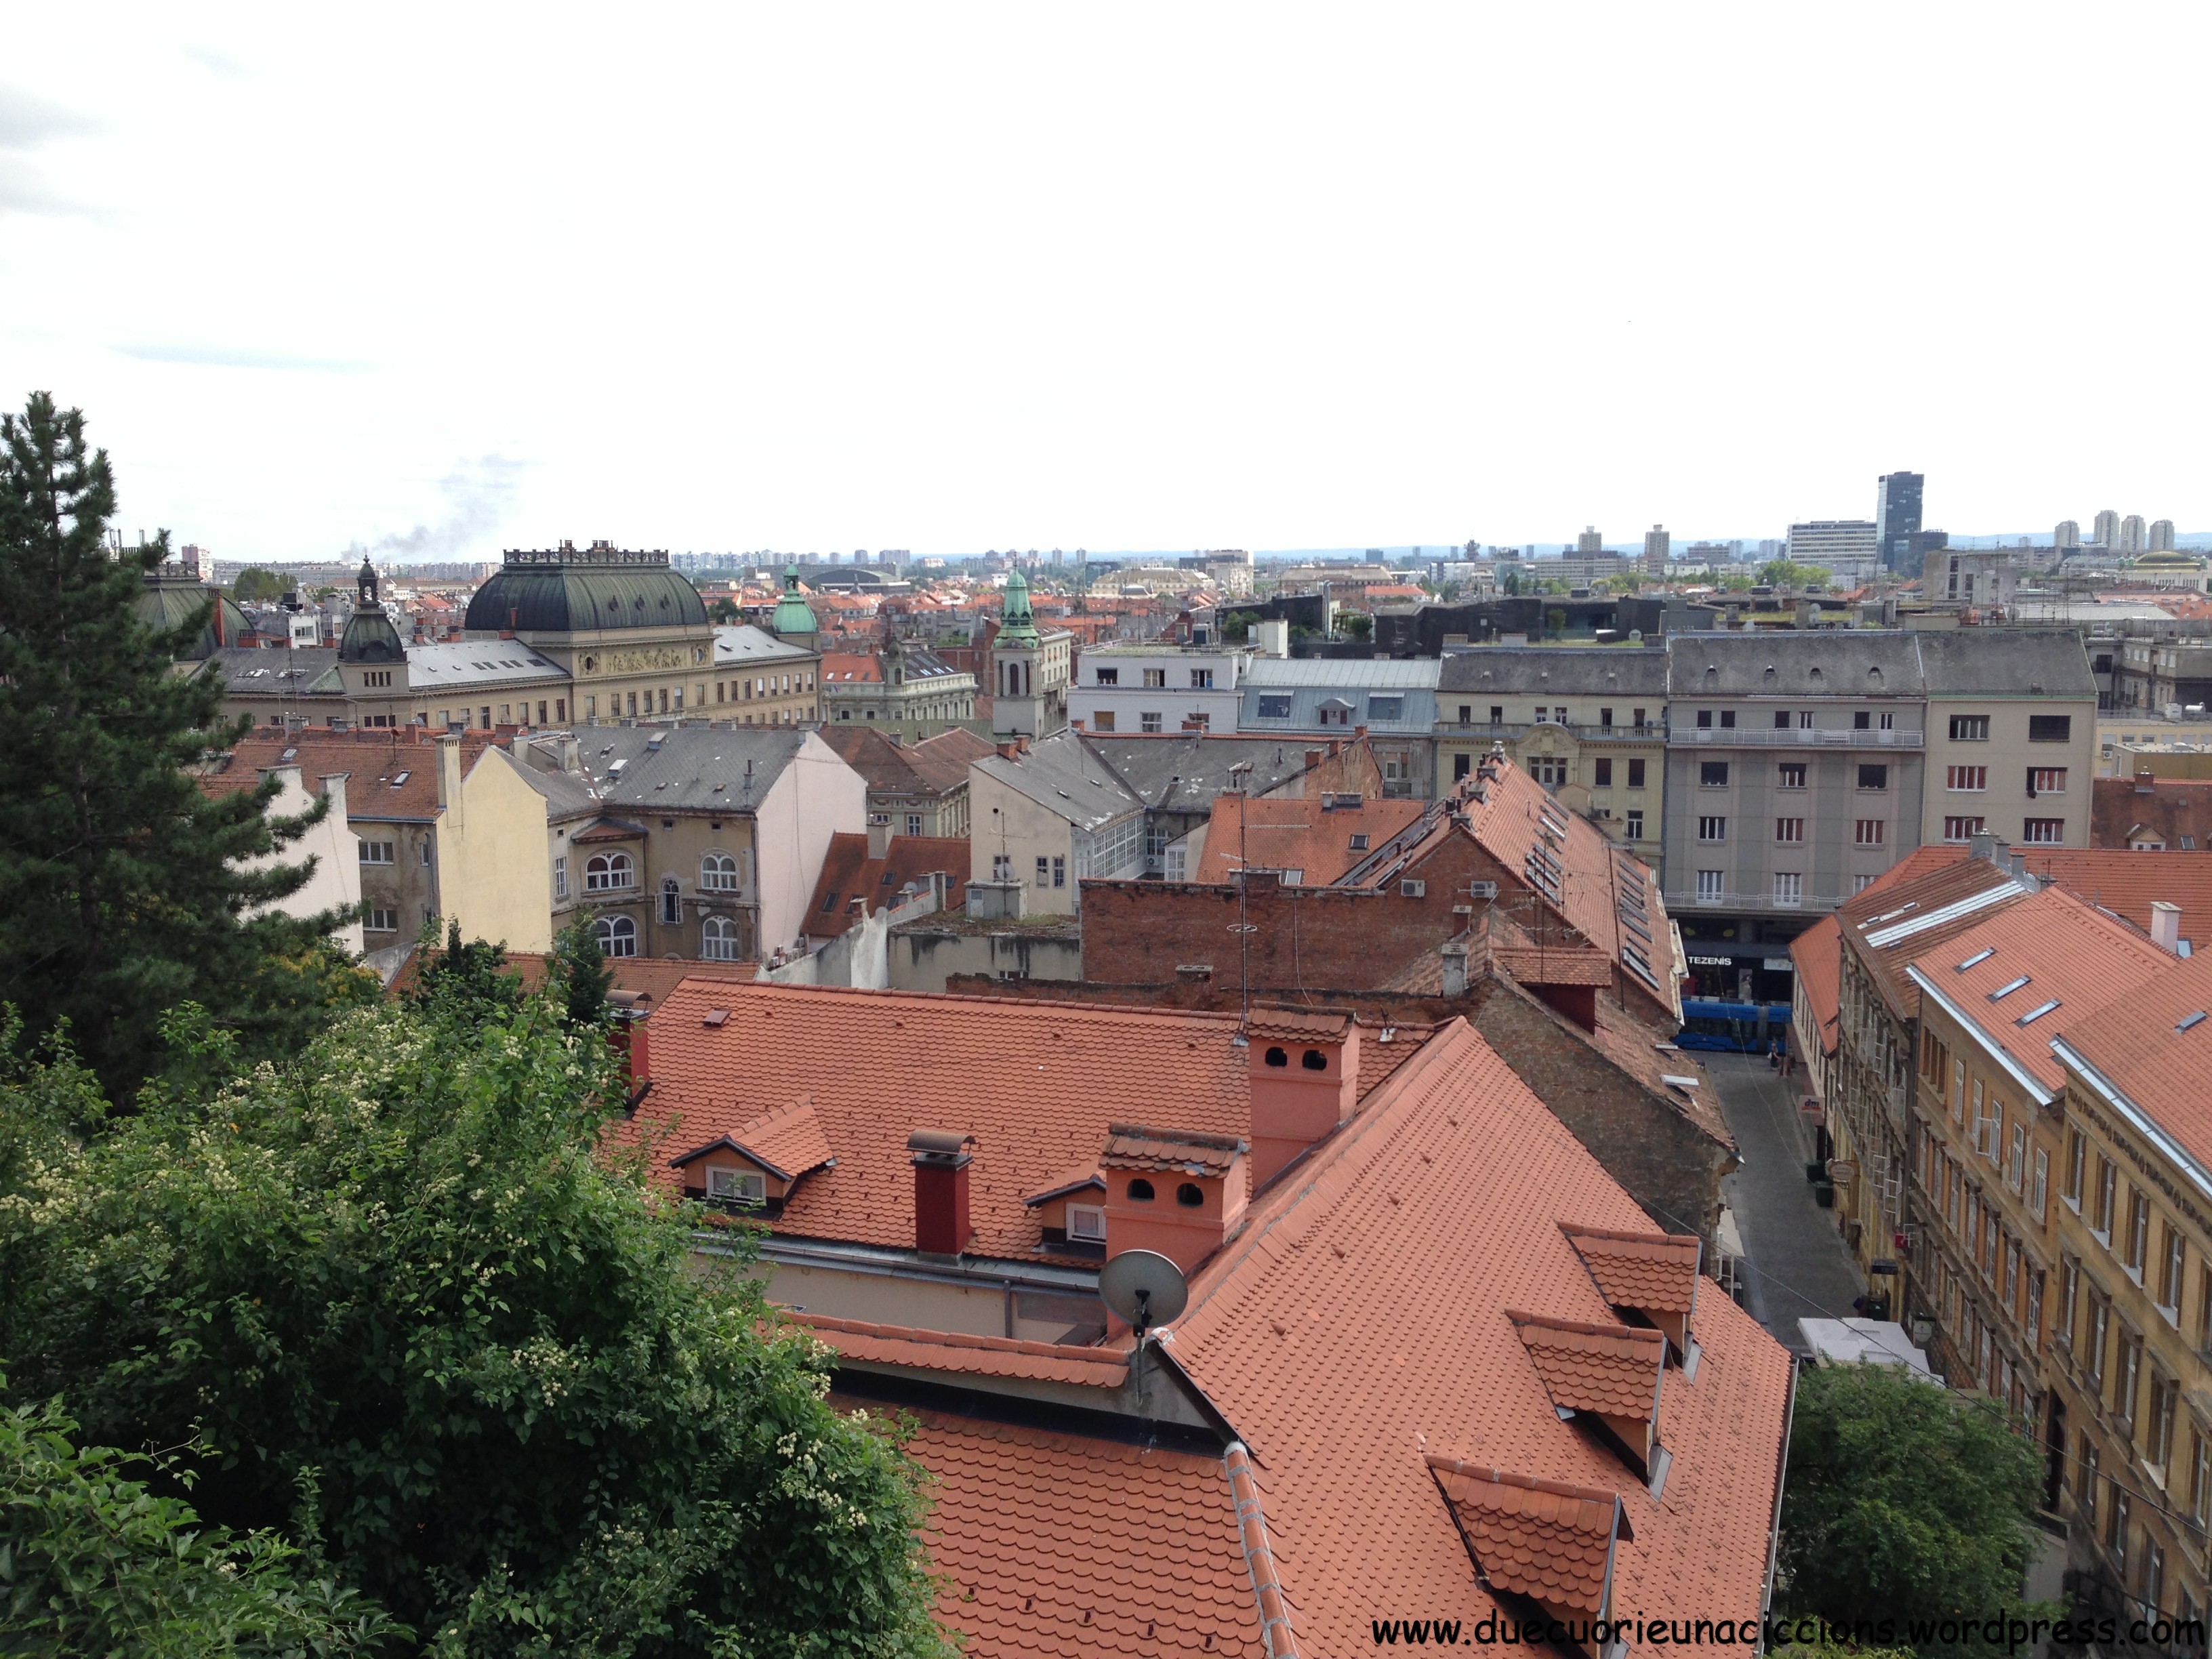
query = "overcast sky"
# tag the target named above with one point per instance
(952, 276)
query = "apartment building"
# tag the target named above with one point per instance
(1334, 696)
(2011, 735)
(1795, 778)
(2156, 675)
(1160, 688)
(901, 687)
(914, 788)
(1587, 722)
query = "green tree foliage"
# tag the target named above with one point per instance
(1784, 573)
(468, 981)
(93, 1560)
(255, 586)
(724, 610)
(425, 1314)
(1356, 625)
(1237, 626)
(1903, 1501)
(120, 895)
(580, 979)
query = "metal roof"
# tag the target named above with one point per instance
(741, 643)
(1382, 673)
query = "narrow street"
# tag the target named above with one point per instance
(1797, 1263)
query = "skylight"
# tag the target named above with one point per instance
(2190, 1021)
(2008, 987)
(1982, 955)
(2037, 1012)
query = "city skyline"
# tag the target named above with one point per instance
(907, 281)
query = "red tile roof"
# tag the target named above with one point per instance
(391, 772)
(849, 874)
(788, 1143)
(1535, 1538)
(1589, 1367)
(851, 667)
(2128, 884)
(2062, 951)
(2123, 810)
(955, 1351)
(1058, 1545)
(2154, 1047)
(1655, 1272)
(1356, 1327)
(1817, 954)
(1308, 835)
(1889, 924)
(1133, 1147)
(1027, 1079)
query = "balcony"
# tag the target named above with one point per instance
(1516, 730)
(1796, 737)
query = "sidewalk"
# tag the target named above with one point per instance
(1796, 1265)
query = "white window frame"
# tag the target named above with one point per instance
(717, 873)
(377, 852)
(609, 873)
(718, 939)
(618, 936)
(1094, 1215)
(560, 876)
(736, 1186)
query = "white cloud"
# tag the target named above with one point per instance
(944, 277)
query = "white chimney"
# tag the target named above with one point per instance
(2166, 926)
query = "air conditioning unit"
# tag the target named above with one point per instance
(1413, 888)
(1483, 890)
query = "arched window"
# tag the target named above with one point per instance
(1140, 1191)
(718, 939)
(671, 900)
(606, 871)
(1276, 1057)
(618, 936)
(718, 873)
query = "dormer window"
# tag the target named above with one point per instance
(736, 1185)
(1086, 1224)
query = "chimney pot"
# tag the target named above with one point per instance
(940, 1159)
(879, 834)
(1304, 1082)
(2166, 926)
(2146, 783)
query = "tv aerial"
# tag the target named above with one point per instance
(1146, 1289)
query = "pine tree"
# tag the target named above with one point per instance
(119, 893)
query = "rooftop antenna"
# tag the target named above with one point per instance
(1144, 1289)
(1242, 770)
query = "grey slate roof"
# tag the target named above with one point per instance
(1062, 775)
(248, 672)
(1347, 685)
(1996, 662)
(1183, 772)
(583, 595)
(466, 665)
(742, 642)
(685, 768)
(1566, 669)
(1856, 663)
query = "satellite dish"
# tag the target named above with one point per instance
(1145, 1288)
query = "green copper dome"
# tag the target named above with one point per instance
(1020, 626)
(579, 591)
(369, 636)
(169, 600)
(793, 614)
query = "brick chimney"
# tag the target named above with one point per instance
(1172, 1191)
(1305, 1072)
(2146, 783)
(940, 1190)
(2166, 926)
(879, 834)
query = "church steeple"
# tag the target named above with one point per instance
(1019, 626)
(794, 618)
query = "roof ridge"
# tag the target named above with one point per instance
(923, 1336)
(1474, 1471)
(1584, 1327)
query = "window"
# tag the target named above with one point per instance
(618, 936)
(1548, 769)
(1712, 774)
(736, 1185)
(383, 922)
(1635, 823)
(1872, 776)
(2047, 832)
(2100, 1218)
(1712, 829)
(1201, 679)
(1386, 708)
(1709, 890)
(1060, 872)
(2016, 1158)
(2174, 1257)
(2127, 1375)
(376, 852)
(1781, 720)
(2100, 1325)
(1148, 722)
(1156, 679)
(1804, 719)
(1086, 1224)
(1601, 773)
(2138, 1241)
(913, 824)
(2046, 780)
(1970, 728)
(2050, 728)
(1108, 676)
(2034, 1316)
(1789, 831)
(1859, 884)
(718, 871)
(1044, 872)
(605, 872)
(1605, 720)
(2039, 1186)
(718, 939)
(1861, 721)
(1636, 775)
(1101, 719)
(1789, 887)
(1866, 832)
(560, 877)
(1727, 720)
(1963, 779)
(1790, 774)
(1002, 867)
(2088, 1476)
(2069, 1287)
(1962, 828)
(1704, 719)
(1498, 713)
(2200, 1477)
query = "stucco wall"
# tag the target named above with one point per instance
(818, 796)
(494, 872)
(335, 881)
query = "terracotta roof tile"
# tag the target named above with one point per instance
(1308, 835)
(1886, 927)
(2154, 1047)
(790, 1142)
(1072, 1181)
(2052, 948)
(1589, 1367)
(2121, 811)
(849, 874)
(1132, 1146)
(1356, 1327)
(1817, 954)
(1655, 1272)
(1535, 1538)
(2129, 884)
(1061, 1546)
(956, 1351)
(391, 772)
